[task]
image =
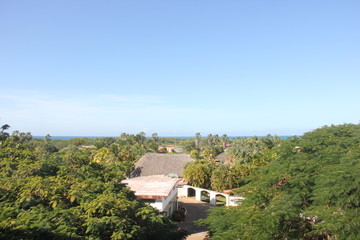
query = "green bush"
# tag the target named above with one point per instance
(179, 215)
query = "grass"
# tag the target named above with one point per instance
(220, 200)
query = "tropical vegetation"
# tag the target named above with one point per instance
(246, 154)
(53, 192)
(304, 187)
(309, 189)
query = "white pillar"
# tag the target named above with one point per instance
(198, 194)
(185, 191)
(212, 198)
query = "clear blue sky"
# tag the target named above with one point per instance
(99, 68)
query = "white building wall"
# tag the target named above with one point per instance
(158, 205)
(235, 201)
(180, 191)
(170, 201)
(166, 203)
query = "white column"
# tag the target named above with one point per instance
(212, 198)
(198, 194)
(185, 191)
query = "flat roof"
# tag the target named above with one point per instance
(150, 187)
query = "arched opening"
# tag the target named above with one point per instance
(220, 200)
(191, 192)
(205, 196)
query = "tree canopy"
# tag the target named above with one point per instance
(73, 193)
(311, 190)
(247, 155)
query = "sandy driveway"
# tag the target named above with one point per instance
(195, 211)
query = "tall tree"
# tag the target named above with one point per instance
(224, 140)
(197, 140)
(222, 177)
(47, 139)
(216, 140)
(198, 173)
(3, 134)
(309, 194)
(124, 136)
(155, 137)
(210, 140)
(209, 154)
(141, 137)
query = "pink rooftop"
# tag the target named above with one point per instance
(156, 186)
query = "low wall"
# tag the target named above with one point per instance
(230, 200)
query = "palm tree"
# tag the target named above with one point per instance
(4, 127)
(47, 138)
(155, 137)
(197, 140)
(224, 140)
(216, 139)
(210, 140)
(124, 136)
(141, 137)
(3, 134)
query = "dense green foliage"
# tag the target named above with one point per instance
(3, 133)
(247, 155)
(310, 190)
(72, 193)
(299, 188)
(198, 173)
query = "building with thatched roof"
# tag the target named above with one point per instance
(159, 191)
(170, 149)
(224, 158)
(161, 164)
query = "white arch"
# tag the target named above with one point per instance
(227, 197)
(205, 190)
(186, 191)
(211, 193)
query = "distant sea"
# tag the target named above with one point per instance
(92, 137)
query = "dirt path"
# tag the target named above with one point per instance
(195, 211)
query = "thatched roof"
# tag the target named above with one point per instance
(224, 158)
(161, 164)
